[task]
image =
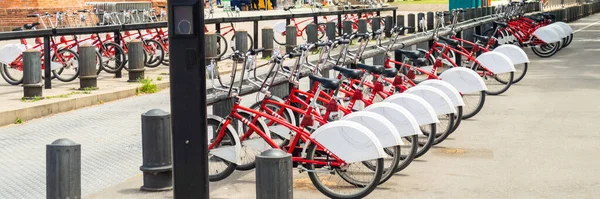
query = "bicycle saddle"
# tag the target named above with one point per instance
(411, 54)
(375, 69)
(255, 51)
(501, 24)
(349, 73)
(31, 25)
(481, 37)
(420, 62)
(390, 72)
(330, 84)
(449, 41)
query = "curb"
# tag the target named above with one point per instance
(69, 104)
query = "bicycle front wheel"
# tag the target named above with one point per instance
(113, 57)
(69, 65)
(498, 83)
(331, 185)
(219, 168)
(155, 53)
(390, 163)
(236, 46)
(443, 128)
(424, 141)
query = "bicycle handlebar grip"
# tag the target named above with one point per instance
(344, 41)
(292, 55)
(321, 44)
(162, 6)
(84, 10)
(33, 15)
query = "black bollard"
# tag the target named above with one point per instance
(63, 169)
(274, 175)
(156, 150)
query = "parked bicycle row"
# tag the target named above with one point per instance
(353, 132)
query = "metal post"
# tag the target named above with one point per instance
(267, 41)
(117, 37)
(255, 34)
(32, 74)
(274, 175)
(411, 22)
(388, 25)
(457, 56)
(311, 33)
(330, 30)
(362, 25)
(394, 16)
(241, 41)
(290, 38)
(136, 60)
(156, 151)
(400, 22)
(429, 20)
(47, 68)
(63, 169)
(339, 24)
(87, 67)
(347, 27)
(420, 16)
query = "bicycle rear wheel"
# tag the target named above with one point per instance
(424, 141)
(546, 50)
(498, 83)
(364, 180)
(218, 168)
(473, 103)
(408, 151)
(390, 163)
(12, 76)
(443, 128)
(457, 118)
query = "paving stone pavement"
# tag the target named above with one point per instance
(109, 134)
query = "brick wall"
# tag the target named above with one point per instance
(13, 13)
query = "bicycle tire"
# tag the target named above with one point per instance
(230, 166)
(443, 129)
(545, 53)
(457, 118)
(480, 101)
(99, 67)
(424, 144)
(58, 72)
(222, 45)
(250, 46)
(506, 82)
(279, 41)
(118, 56)
(405, 160)
(165, 43)
(388, 171)
(520, 71)
(7, 77)
(152, 59)
(323, 188)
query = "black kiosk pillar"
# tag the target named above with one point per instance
(188, 98)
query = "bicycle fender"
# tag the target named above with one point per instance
(547, 35)
(383, 129)
(229, 153)
(465, 80)
(440, 102)
(565, 26)
(448, 89)
(559, 30)
(417, 106)
(10, 52)
(350, 141)
(279, 27)
(513, 52)
(402, 119)
(496, 62)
